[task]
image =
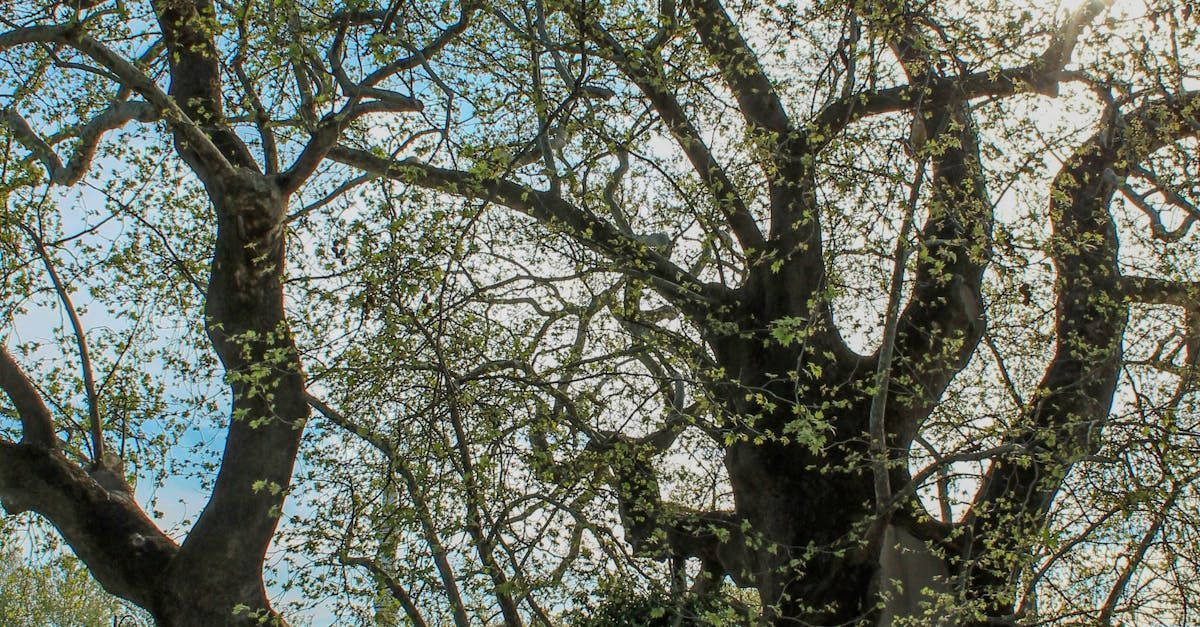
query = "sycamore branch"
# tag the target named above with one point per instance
(661, 530)
(1185, 294)
(649, 79)
(795, 231)
(395, 588)
(938, 330)
(418, 57)
(37, 424)
(1043, 76)
(114, 116)
(196, 86)
(1076, 391)
(95, 423)
(120, 545)
(1170, 196)
(1134, 561)
(130, 76)
(688, 293)
(757, 97)
(364, 96)
(428, 526)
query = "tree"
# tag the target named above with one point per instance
(57, 591)
(802, 248)
(791, 122)
(166, 62)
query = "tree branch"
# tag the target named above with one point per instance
(187, 27)
(941, 326)
(659, 530)
(95, 425)
(37, 424)
(424, 515)
(649, 79)
(200, 144)
(687, 292)
(121, 547)
(1139, 553)
(115, 116)
(1042, 76)
(756, 95)
(397, 590)
(1076, 391)
(1154, 291)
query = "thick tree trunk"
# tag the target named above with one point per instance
(803, 543)
(218, 573)
(807, 505)
(215, 576)
(818, 550)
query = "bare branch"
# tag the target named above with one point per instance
(1171, 196)
(466, 11)
(1134, 561)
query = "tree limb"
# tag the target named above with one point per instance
(428, 525)
(114, 116)
(201, 145)
(689, 293)
(397, 590)
(649, 79)
(37, 424)
(1043, 76)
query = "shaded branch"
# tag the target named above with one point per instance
(364, 96)
(196, 85)
(1075, 393)
(428, 525)
(71, 35)
(649, 79)
(687, 292)
(1154, 291)
(121, 547)
(261, 118)
(1042, 76)
(757, 97)
(660, 530)
(944, 320)
(395, 588)
(883, 367)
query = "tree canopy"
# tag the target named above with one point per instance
(588, 312)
